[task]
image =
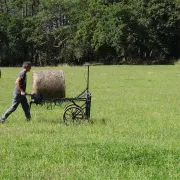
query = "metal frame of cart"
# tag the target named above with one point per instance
(78, 108)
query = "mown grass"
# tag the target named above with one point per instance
(134, 130)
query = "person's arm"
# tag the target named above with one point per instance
(18, 86)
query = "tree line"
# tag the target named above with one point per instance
(52, 32)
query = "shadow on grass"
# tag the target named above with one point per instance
(51, 121)
(60, 121)
(102, 121)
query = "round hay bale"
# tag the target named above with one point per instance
(49, 83)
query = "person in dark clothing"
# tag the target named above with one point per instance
(19, 94)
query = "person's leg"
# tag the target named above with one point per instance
(15, 103)
(25, 107)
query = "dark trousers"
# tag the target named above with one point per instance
(18, 99)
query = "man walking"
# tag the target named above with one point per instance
(19, 95)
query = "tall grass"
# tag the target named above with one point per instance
(133, 133)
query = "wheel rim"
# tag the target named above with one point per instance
(73, 114)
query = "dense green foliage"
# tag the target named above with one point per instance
(51, 32)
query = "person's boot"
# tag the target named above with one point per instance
(1, 120)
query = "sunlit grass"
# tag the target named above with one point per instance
(133, 132)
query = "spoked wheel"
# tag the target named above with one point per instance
(69, 105)
(73, 114)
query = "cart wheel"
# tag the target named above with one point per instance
(73, 114)
(69, 105)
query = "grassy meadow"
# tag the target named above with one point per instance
(134, 131)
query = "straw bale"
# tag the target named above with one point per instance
(49, 83)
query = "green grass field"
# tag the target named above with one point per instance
(134, 132)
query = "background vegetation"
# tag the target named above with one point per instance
(51, 32)
(133, 132)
